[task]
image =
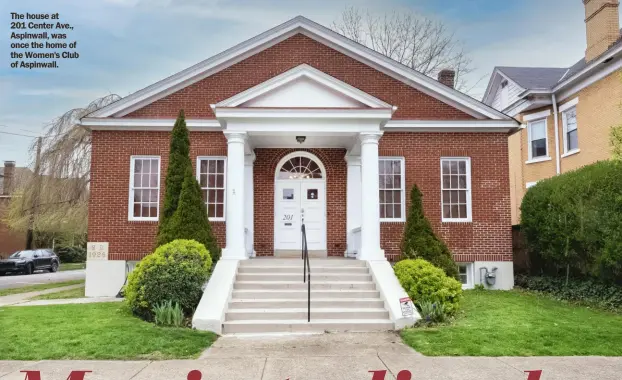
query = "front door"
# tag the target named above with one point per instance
(299, 201)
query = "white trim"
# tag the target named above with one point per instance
(198, 172)
(539, 159)
(130, 205)
(469, 217)
(307, 71)
(300, 153)
(569, 104)
(537, 115)
(317, 32)
(309, 113)
(570, 153)
(470, 274)
(530, 184)
(546, 139)
(130, 124)
(402, 189)
(451, 125)
(496, 72)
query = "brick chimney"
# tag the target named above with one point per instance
(447, 77)
(9, 172)
(602, 26)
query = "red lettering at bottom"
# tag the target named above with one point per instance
(534, 375)
(74, 375)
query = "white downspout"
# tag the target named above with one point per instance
(555, 121)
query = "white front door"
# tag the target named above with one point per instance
(299, 201)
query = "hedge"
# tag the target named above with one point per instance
(573, 223)
(589, 292)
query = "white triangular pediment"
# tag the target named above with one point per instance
(303, 87)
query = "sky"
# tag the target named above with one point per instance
(126, 45)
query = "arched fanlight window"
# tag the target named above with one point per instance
(300, 167)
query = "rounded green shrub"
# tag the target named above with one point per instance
(426, 283)
(175, 273)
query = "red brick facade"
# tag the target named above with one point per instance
(488, 237)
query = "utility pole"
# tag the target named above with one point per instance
(35, 197)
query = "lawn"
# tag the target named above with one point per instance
(35, 288)
(92, 331)
(495, 323)
(71, 266)
(71, 293)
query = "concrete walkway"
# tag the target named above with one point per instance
(15, 299)
(346, 356)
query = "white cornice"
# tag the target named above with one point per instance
(537, 115)
(313, 30)
(451, 126)
(302, 113)
(127, 124)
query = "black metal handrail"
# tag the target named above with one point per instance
(306, 276)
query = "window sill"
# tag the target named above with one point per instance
(570, 153)
(216, 219)
(143, 220)
(539, 159)
(392, 220)
(457, 220)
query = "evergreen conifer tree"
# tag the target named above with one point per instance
(419, 240)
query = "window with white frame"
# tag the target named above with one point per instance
(538, 146)
(391, 179)
(144, 197)
(571, 137)
(456, 189)
(211, 177)
(465, 271)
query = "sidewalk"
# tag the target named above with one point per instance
(15, 299)
(344, 356)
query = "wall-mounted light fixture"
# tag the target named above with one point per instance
(301, 139)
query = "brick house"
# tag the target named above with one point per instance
(10, 175)
(567, 112)
(300, 123)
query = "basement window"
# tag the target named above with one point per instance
(465, 271)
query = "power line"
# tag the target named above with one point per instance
(20, 134)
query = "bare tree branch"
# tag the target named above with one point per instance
(410, 38)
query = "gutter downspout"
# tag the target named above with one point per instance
(555, 121)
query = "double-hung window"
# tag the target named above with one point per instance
(211, 176)
(538, 146)
(456, 189)
(571, 137)
(144, 197)
(391, 181)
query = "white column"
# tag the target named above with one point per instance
(353, 202)
(370, 208)
(249, 200)
(235, 196)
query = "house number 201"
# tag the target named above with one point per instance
(288, 217)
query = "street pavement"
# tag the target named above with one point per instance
(340, 356)
(17, 281)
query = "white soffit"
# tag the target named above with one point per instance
(304, 87)
(280, 33)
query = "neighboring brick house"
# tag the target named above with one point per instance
(566, 112)
(10, 175)
(301, 122)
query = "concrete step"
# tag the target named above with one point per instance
(316, 285)
(299, 277)
(344, 303)
(301, 325)
(263, 294)
(299, 269)
(301, 313)
(272, 262)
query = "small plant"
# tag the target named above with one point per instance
(479, 287)
(432, 312)
(168, 314)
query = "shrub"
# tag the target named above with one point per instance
(168, 314)
(179, 162)
(419, 240)
(71, 254)
(190, 219)
(587, 292)
(573, 222)
(175, 272)
(426, 283)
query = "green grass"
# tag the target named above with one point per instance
(71, 266)
(92, 331)
(71, 293)
(495, 323)
(34, 288)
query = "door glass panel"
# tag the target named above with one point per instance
(288, 194)
(312, 194)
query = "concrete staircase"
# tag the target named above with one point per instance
(269, 296)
